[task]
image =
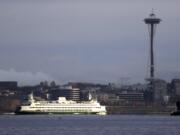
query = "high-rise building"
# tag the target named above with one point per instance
(176, 86)
(66, 91)
(160, 90)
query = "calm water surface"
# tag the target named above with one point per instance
(89, 125)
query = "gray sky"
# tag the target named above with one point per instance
(86, 40)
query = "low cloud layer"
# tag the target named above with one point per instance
(24, 78)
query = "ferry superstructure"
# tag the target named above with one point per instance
(61, 106)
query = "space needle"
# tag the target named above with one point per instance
(152, 22)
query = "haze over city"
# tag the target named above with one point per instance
(86, 40)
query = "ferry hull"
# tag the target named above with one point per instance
(50, 113)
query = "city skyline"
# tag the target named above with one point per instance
(89, 41)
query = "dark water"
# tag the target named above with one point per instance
(89, 125)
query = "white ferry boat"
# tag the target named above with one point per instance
(61, 106)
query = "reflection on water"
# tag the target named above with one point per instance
(89, 125)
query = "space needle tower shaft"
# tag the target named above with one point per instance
(152, 22)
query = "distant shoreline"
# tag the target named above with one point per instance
(119, 110)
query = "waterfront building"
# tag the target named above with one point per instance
(131, 96)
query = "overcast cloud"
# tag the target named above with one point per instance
(90, 41)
